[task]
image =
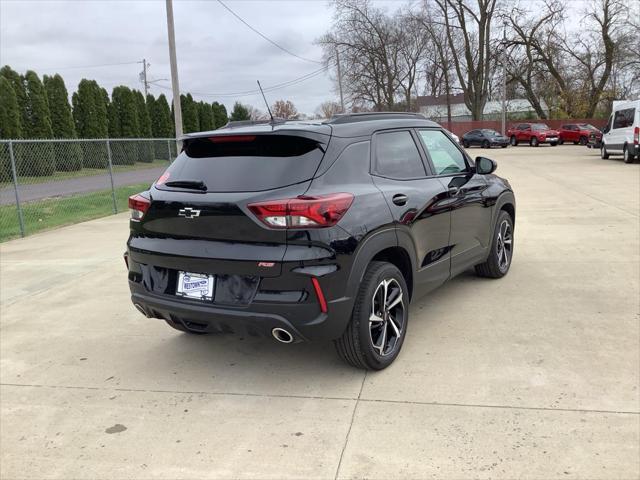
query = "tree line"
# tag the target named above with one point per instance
(31, 108)
(567, 59)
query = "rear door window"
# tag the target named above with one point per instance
(624, 118)
(246, 163)
(397, 156)
(445, 156)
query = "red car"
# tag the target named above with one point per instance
(533, 133)
(578, 133)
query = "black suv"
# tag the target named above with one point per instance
(315, 231)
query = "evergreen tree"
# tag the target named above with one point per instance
(161, 124)
(205, 117)
(219, 114)
(189, 114)
(90, 117)
(68, 155)
(10, 125)
(18, 84)
(39, 161)
(239, 112)
(145, 149)
(125, 113)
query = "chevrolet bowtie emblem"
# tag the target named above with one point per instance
(188, 212)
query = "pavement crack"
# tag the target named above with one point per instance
(353, 416)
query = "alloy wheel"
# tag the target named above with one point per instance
(387, 317)
(504, 245)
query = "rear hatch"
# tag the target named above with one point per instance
(198, 220)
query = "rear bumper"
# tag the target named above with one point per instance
(304, 322)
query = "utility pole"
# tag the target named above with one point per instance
(340, 81)
(143, 77)
(175, 87)
(504, 79)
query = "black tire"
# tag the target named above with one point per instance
(583, 140)
(553, 144)
(603, 152)
(576, 143)
(514, 141)
(486, 144)
(628, 156)
(465, 144)
(503, 146)
(494, 266)
(560, 141)
(534, 142)
(181, 328)
(356, 345)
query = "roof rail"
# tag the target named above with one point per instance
(366, 116)
(246, 123)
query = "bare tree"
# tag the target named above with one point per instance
(469, 36)
(284, 109)
(328, 109)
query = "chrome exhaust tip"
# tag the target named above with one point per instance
(281, 335)
(141, 309)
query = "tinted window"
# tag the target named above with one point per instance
(539, 126)
(246, 163)
(624, 118)
(445, 156)
(397, 156)
(491, 133)
(523, 126)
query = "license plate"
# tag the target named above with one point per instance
(196, 285)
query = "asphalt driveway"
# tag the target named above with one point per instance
(532, 376)
(90, 183)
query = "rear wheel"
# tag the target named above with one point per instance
(501, 253)
(628, 156)
(465, 144)
(603, 152)
(486, 144)
(513, 140)
(583, 140)
(534, 142)
(378, 324)
(560, 141)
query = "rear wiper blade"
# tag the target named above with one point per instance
(190, 184)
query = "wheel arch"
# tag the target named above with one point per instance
(383, 245)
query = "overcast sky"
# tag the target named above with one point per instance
(216, 52)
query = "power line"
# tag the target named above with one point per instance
(265, 37)
(271, 88)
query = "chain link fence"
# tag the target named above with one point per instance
(50, 183)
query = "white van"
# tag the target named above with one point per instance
(621, 134)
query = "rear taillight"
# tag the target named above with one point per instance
(303, 211)
(138, 205)
(636, 135)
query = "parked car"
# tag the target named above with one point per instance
(533, 133)
(485, 138)
(578, 133)
(316, 231)
(621, 134)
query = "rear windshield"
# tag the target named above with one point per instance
(245, 163)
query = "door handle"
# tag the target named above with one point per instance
(400, 199)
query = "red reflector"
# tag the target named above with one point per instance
(126, 260)
(319, 294)
(138, 206)
(232, 138)
(163, 178)
(636, 135)
(304, 211)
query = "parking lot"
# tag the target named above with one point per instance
(532, 376)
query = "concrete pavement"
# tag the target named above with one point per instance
(532, 376)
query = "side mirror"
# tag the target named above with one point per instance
(485, 166)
